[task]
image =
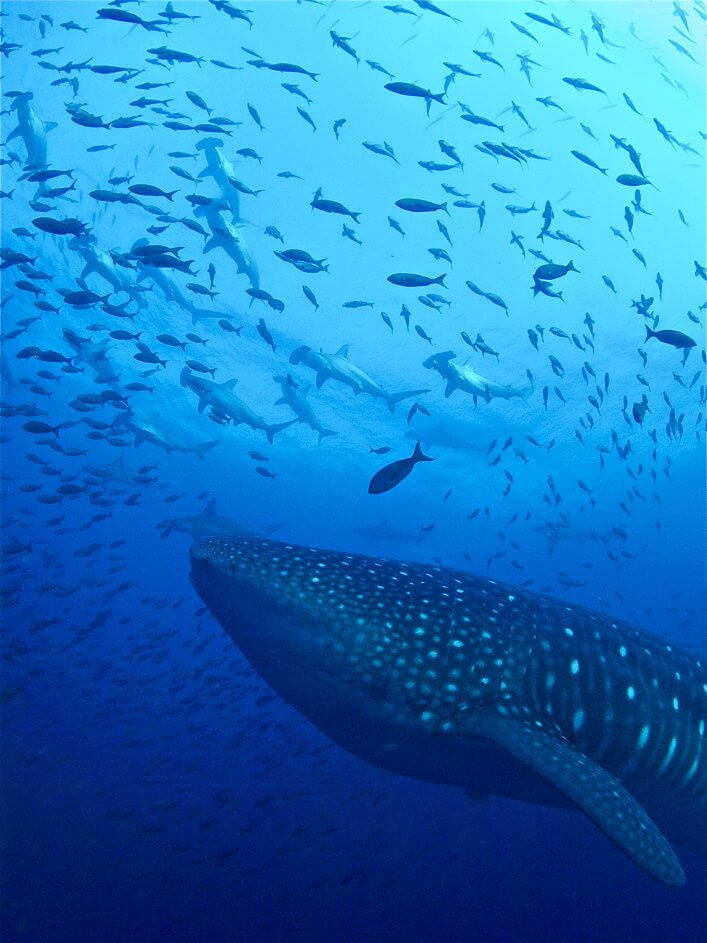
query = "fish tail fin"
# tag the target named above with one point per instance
(649, 333)
(440, 280)
(272, 430)
(394, 398)
(419, 456)
(204, 447)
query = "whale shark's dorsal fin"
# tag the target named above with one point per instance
(210, 507)
(596, 792)
(343, 351)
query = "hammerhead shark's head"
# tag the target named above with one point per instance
(450, 677)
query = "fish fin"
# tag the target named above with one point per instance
(343, 351)
(419, 456)
(14, 134)
(394, 398)
(281, 402)
(202, 448)
(50, 125)
(210, 244)
(596, 792)
(326, 432)
(321, 379)
(210, 507)
(229, 384)
(272, 430)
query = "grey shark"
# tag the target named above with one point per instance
(209, 523)
(294, 395)
(463, 377)
(98, 261)
(338, 367)
(225, 407)
(31, 129)
(449, 677)
(219, 167)
(225, 235)
(171, 291)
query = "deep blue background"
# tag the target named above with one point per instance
(153, 788)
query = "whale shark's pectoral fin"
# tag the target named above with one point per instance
(598, 794)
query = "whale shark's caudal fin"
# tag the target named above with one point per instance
(393, 399)
(597, 792)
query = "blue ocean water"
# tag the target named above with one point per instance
(153, 786)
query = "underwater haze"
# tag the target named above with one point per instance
(292, 292)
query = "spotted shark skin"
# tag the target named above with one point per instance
(450, 677)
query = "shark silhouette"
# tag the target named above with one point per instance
(449, 677)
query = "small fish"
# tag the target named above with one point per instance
(412, 205)
(411, 280)
(391, 475)
(673, 338)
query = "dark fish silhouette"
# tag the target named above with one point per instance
(391, 475)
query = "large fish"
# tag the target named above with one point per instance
(338, 367)
(31, 129)
(463, 377)
(453, 678)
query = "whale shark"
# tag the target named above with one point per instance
(449, 677)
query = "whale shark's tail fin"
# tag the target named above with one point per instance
(392, 399)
